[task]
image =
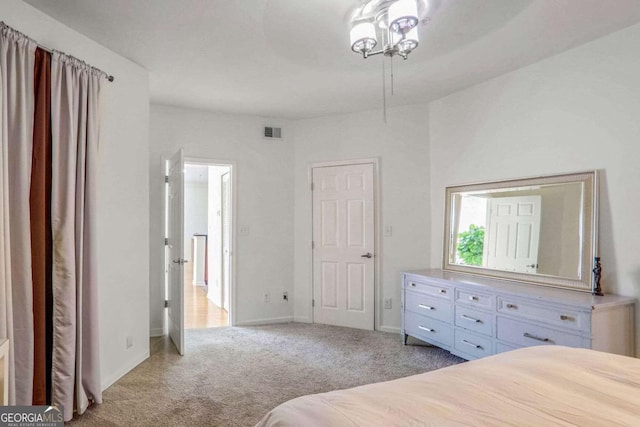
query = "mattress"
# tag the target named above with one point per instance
(543, 385)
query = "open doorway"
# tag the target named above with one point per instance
(207, 244)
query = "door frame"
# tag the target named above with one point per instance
(377, 227)
(225, 296)
(234, 216)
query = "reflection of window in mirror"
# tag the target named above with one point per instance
(471, 227)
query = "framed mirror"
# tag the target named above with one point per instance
(540, 230)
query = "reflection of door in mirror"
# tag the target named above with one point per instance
(513, 234)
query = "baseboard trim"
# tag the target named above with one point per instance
(391, 329)
(156, 332)
(268, 321)
(300, 319)
(124, 371)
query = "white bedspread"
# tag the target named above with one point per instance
(544, 385)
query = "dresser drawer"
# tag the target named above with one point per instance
(474, 320)
(571, 319)
(475, 299)
(473, 345)
(426, 305)
(526, 334)
(433, 289)
(427, 328)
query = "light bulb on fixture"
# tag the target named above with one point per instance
(403, 16)
(407, 42)
(363, 38)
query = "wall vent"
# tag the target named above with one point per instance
(271, 132)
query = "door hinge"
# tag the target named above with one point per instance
(312, 186)
(166, 179)
(313, 245)
(166, 303)
(313, 303)
(166, 241)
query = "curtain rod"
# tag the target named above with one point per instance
(13, 30)
(108, 76)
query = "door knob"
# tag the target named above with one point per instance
(532, 265)
(367, 255)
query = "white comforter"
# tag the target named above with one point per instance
(545, 385)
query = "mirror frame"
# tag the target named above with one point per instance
(589, 231)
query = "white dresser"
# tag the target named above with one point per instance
(473, 317)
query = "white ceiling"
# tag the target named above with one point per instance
(291, 58)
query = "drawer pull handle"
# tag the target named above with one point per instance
(473, 298)
(413, 285)
(465, 317)
(564, 317)
(443, 291)
(471, 344)
(533, 337)
(426, 307)
(512, 306)
(426, 329)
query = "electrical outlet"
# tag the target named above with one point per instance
(244, 230)
(129, 341)
(387, 303)
(267, 297)
(388, 231)
(285, 296)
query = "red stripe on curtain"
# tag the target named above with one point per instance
(41, 240)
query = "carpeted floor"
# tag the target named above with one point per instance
(233, 376)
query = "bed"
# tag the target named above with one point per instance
(543, 385)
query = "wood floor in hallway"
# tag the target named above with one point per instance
(199, 311)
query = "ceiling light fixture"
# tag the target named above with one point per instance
(397, 21)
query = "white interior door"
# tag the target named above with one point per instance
(343, 246)
(176, 260)
(226, 234)
(513, 234)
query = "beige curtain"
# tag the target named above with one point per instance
(16, 117)
(75, 113)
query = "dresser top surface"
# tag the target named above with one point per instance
(523, 289)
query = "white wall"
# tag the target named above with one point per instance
(401, 145)
(195, 214)
(264, 173)
(576, 111)
(123, 189)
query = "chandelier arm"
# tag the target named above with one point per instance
(368, 54)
